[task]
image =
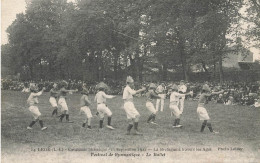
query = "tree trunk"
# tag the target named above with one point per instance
(164, 72)
(83, 66)
(60, 70)
(116, 65)
(68, 69)
(141, 63)
(140, 69)
(41, 71)
(133, 66)
(183, 56)
(221, 76)
(99, 61)
(102, 70)
(137, 64)
(91, 66)
(184, 65)
(214, 68)
(97, 69)
(31, 71)
(51, 71)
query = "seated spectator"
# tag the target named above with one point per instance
(220, 99)
(230, 100)
(257, 103)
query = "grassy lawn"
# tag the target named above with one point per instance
(239, 137)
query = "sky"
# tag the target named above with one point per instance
(9, 9)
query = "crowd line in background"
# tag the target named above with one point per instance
(235, 93)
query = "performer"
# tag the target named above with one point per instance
(102, 108)
(85, 103)
(174, 98)
(33, 101)
(62, 101)
(53, 96)
(201, 111)
(150, 95)
(131, 112)
(182, 89)
(161, 91)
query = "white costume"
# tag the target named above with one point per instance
(129, 107)
(183, 89)
(102, 108)
(174, 98)
(32, 100)
(84, 106)
(160, 90)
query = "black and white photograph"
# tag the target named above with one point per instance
(130, 81)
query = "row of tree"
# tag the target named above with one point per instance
(96, 39)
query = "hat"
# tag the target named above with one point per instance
(129, 79)
(174, 87)
(205, 87)
(152, 85)
(33, 87)
(63, 83)
(85, 91)
(101, 85)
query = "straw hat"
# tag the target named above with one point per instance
(129, 79)
(101, 85)
(152, 85)
(33, 87)
(85, 91)
(174, 87)
(63, 83)
(205, 87)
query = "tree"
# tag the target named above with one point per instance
(36, 36)
(252, 17)
(92, 40)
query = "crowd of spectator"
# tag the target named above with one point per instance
(8, 84)
(234, 92)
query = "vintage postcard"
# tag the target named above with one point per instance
(130, 81)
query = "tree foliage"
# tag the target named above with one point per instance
(97, 39)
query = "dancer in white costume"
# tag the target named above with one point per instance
(54, 92)
(150, 95)
(201, 110)
(85, 103)
(161, 91)
(33, 108)
(174, 98)
(102, 108)
(182, 89)
(129, 107)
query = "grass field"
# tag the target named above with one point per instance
(239, 137)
